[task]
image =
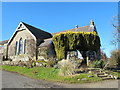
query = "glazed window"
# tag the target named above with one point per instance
(20, 46)
(25, 46)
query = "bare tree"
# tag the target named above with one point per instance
(116, 33)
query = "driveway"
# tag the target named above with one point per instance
(14, 80)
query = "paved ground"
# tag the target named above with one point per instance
(14, 80)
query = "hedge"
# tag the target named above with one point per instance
(68, 41)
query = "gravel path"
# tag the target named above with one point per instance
(14, 80)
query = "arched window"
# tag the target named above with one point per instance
(25, 46)
(20, 46)
(16, 46)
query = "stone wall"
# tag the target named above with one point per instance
(30, 46)
(43, 53)
(46, 52)
(1, 52)
(22, 57)
(3, 49)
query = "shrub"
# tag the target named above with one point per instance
(115, 59)
(51, 62)
(98, 64)
(69, 67)
(40, 63)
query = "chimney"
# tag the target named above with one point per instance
(91, 22)
(92, 25)
(76, 26)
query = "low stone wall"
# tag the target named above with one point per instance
(28, 64)
(15, 63)
(1, 56)
(20, 58)
(9, 63)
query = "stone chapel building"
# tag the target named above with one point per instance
(28, 42)
(24, 42)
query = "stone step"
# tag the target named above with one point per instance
(97, 70)
(118, 71)
(107, 78)
(107, 72)
(102, 75)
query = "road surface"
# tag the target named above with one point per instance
(14, 80)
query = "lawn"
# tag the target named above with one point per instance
(51, 74)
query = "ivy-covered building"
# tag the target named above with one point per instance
(28, 42)
(81, 42)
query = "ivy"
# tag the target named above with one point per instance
(66, 41)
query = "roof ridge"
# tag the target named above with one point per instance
(84, 26)
(35, 27)
(38, 33)
(78, 27)
(70, 29)
(30, 25)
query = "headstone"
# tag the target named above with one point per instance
(90, 76)
(91, 55)
(84, 79)
(79, 54)
(74, 54)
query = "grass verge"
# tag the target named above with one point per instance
(50, 74)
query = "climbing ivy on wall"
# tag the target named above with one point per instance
(69, 40)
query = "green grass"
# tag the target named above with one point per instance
(116, 74)
(50, 74)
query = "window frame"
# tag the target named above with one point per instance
(20, 51)
(25, 46)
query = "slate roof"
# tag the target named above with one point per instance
(46, 42)
(89, 28)
(38, 33)
(3, 42)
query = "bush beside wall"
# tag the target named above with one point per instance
(67, 41)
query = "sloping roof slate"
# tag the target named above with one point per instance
(46, 42)
(38, 33)
(3, 42)
(80, 29)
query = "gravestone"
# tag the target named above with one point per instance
(91, 55)
(74, 55)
